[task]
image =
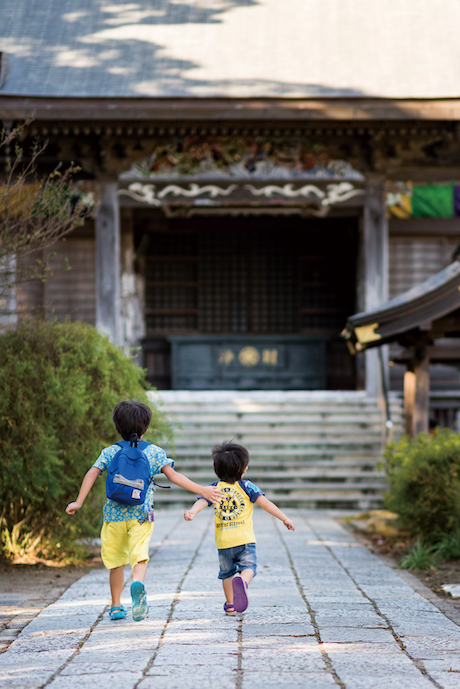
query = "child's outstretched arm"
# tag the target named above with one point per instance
(210, 493)
(271, 508)
(86, 486)
(199, 505)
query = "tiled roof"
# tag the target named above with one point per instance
(231, 48)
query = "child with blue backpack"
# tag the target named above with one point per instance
(128, 511)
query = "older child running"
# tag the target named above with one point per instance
(127, 530)
(234, 532)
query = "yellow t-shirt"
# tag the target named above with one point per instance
(234, 514)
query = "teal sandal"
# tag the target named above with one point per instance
(118, 612)
(139, 607)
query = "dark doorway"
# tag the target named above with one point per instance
(263, 276)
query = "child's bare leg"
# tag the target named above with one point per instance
(139, 571)
(116, 584)
(227, 584)
(247, 575)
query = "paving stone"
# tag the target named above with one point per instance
(199, 655)
(447, 680)
(81, 669)
(46, 643)
(292, 680)
(32, 683)
(356, 635)
(392, 680)
(24, 677)
(20, 621)
(220, 678)
(58, 625)
(108, 680)
(299, 658)
(107, 655)
(279, 630)
(9, 635)
(192, 643)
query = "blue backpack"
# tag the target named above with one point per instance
(128, 476)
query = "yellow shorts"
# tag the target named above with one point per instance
(123, 542)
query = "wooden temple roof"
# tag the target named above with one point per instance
(200, 49)
(428, 311)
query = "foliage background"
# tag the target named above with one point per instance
(58, 384)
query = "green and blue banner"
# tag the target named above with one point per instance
(407, 200)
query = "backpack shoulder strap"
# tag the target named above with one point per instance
(143, 444)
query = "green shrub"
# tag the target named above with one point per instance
(420, 556)
(59, 384)
(424, 483)
(448, 547)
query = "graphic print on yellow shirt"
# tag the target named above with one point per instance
(234, 514)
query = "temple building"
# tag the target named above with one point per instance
(264, 170)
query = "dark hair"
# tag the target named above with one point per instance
(230, 461)
(131, 417)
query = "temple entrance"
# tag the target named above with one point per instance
(252, 302)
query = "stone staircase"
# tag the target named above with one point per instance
(307, 449)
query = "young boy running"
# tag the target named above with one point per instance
(126, 531)
(234, 532)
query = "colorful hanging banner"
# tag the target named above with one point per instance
(407, 200)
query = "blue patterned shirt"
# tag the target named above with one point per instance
(114, 511)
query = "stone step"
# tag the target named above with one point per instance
(269, 409)
(309, 449)
(201, 438)
(264, 467)
(298, 449)
(356, 500)
(236, 406)
(287, 422)
(283, 456)
(335, 397)
(305, 490)
(306, 424)
(205, 476)
(236, 403)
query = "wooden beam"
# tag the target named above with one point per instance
(262, 109)
(439, 354)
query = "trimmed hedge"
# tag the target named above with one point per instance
(424, 478)
(59, 383)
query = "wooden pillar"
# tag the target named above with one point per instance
(422, 392)
(417, 394)
(108, 262)
(409, 400)
(375, 239)
(132, 323)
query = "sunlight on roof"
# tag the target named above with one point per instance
(74, 16)
(75, 58)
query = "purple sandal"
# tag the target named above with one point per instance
(229, 609)
(240, 596)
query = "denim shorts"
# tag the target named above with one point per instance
(233, 560)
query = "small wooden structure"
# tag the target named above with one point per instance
(425, 322)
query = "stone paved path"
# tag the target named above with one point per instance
(324, 612)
